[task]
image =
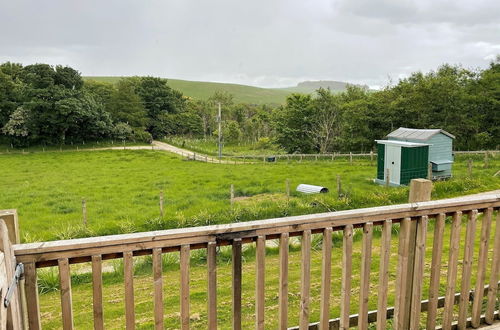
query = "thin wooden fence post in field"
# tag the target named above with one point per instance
(350, 158)
(232, 195)
(429, 171)
(371, 157)
(339, 186)
(84, 211)
(287, 188)
(486, 160)
(161, 204)
(387, 177)
(469, 167)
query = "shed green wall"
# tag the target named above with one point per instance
(413, 163)
(380, 161)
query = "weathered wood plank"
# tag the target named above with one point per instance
(212, 285)
(158, 288)
(345, 294)
(260, 264)
(402, 274)
(452, 270)
(383, 279)
(283, 282)
(494, 276)
(237, 284)
(66, 299)
(463, 305)
(418, 272)
(437, 251)
(364, 289)
(33, 304)
(184, 291)
(305, 280)
(128, 270)
(97, 292)
(326, 278)
(477, 303)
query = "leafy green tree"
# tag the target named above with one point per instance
(126, 105)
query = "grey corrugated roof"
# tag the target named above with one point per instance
(417, 134)
(402, 143)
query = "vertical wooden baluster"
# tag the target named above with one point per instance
(449, 301)
(212, 285)
(184, 259)
(345, 293)
(66, 300)
(418, 272)
(364, 289)
(260, 264)
(326, 279)
(128, 269)
(305, 280)
(463, 304)
(158, 288)
(477, 303)
(437, 251)
(31, 288)
(383, 279)
(97, 292)
(495, 271)
(237, 284)
(283, 284)
(402, 274)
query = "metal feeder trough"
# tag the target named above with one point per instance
(310, 189)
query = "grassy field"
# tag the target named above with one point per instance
(122, 186)
(203, 90)
(122, 189)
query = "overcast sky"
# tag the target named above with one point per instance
(268, 43)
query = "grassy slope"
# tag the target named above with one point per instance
(203, 90)
(122, 187)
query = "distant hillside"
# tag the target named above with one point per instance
(311, 86)
(203, 90)
(242, 93)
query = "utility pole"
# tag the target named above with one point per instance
(219, 120)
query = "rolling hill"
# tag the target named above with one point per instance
(242, 93)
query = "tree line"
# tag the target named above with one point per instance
(43, 104)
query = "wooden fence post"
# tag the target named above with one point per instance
(287, 185)
(84, 212)
(429, 171)
(486, 160)
(232, 195)
(350, 157)
(371, 157)
(387, 177)
(339, 186)
(469, 167)
(161, 203)
(420, 191)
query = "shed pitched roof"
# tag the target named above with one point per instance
(417, 134)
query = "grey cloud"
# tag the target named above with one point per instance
(260, 42)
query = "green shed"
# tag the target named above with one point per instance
(401, 161)
(440, 147)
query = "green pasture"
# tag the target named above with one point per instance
(122, 187)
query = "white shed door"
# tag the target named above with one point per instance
(393, 162)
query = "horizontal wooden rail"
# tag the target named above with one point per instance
(81, 250)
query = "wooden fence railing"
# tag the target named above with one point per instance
(475, 306)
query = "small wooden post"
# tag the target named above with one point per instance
(339, 186)
(84, 211)
(429, 171)
(232, 195)
(301, 158)
(420, 190)
(371, 156)
(161, 204)
(287, 185)
(350, 157)
(469, 167)
(486, 160)
(316, 157)
(387, 177)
